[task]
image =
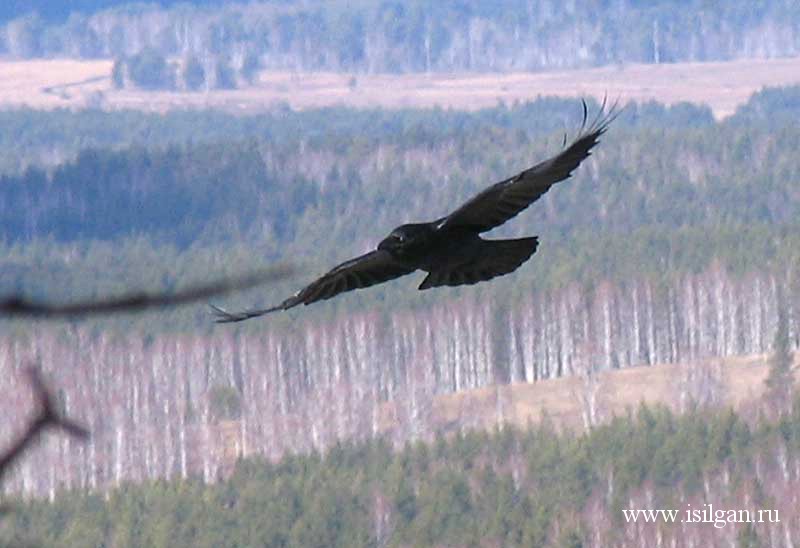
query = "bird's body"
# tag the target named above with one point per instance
(454, 255)
(426, 247)
(451, 249)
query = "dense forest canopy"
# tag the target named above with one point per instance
(288, 171)
(43, 139)
(48, 138)
(666, 184)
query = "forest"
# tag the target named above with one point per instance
(363, 421)
(509, 487)
(47, 139)
(676, 242)
(190, 45)
(154, 185)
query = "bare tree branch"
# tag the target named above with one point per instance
(46, 417)
(18, 306)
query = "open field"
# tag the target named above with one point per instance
(47, 84)
(737, 382)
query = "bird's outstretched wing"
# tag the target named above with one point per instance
(504, 200)
(370, 269)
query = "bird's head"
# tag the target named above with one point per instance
(405, 236)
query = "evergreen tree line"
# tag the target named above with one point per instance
(668, 190)
(510, 487)
(266, 188)
(49, 138)
(423, 35)
(58, 272)
(33, 138)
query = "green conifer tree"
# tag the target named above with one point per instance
(780, 380)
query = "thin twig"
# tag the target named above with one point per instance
(17, 306)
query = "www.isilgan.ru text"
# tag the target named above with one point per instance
(705, 514)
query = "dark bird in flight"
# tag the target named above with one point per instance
(450, 249)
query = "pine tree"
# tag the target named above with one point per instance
(780, 379)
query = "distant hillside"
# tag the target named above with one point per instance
(395, 36)
(168, 406)
(588, 399)
(675, 242)
(459, 485)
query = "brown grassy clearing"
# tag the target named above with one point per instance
(741, 386)
(53, 83)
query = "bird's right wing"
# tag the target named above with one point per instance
(370, 269)
(504, 200)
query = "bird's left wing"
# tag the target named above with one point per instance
(370, 269)
(504, 200)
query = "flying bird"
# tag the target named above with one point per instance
(450, 249)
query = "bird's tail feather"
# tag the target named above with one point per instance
(497, 257)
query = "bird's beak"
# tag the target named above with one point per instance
(389, 244)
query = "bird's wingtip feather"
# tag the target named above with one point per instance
(223, 316)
